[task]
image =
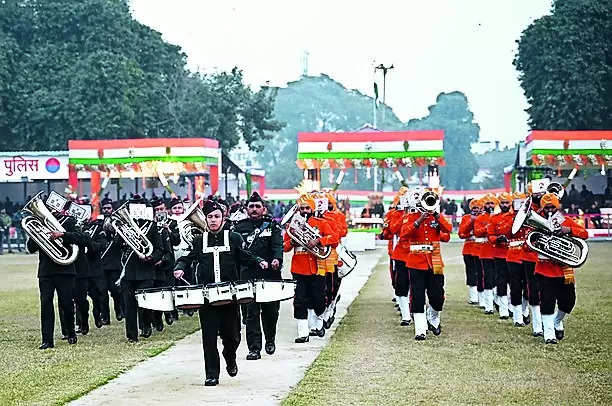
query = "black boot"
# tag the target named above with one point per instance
(270, 347)
(232, 368)
(211, 382)
(253, 355)
(45, 345)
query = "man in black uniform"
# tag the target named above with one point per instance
(111, 263)
(97, 283)
(218, 253)
(163, 267)
(264, 239)
(138, 273)
(54, 277)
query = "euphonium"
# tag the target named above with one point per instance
(302, 233)
(192, 218)
(38, 225)
(129, 231)
(569, 251)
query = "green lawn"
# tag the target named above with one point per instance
(31, 376)
(478, 359)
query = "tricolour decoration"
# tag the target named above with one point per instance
(569, 149)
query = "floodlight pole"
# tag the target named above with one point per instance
(384, 69)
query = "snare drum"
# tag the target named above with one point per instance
(219, 294)
(189, 297)
(243, 290)
(156, 299)
(273, 291)
(346, 261)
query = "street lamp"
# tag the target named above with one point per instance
(384, 70)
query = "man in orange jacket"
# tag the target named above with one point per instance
(466, 232)
(486, 251)
(498, 235)
(309, 272)
(556, 281)
(420, 232)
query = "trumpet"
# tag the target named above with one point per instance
(38, 223)
(429, 202)
(130, 232)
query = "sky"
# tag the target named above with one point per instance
(434, 45)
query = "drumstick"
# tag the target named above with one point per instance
(184, 280)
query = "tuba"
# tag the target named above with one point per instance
(569, 251)
(38, 223)
(192, 218)
(302, 233)
(130, 232)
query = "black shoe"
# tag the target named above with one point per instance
(132, 340)
(487, 312)
(270, 348)
(119, 316)
(98, 323)
(300, 340)
(551, 341)
(405, 322)
(538, 334)
(85, 329)
(189, 312)
(526, 319)
(105, 322)
(211, 382)
(159, 326)
(45, 345)
(519, 325)
(253, 355)
(504, 317)
(393, 300)
(559, 334)
(472, 303)
(72, 340)
(435, 330)
(232, 368)
(64, 336)
(169, 319)
(420, 337)
(317, 332)
(146, 332)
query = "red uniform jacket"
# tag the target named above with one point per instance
(303, 262)
(553, 269)
(391, 216)
(515, 249)
(401, 251)
(466, 232)
(498, 224)
(480, 231)
(426, 234)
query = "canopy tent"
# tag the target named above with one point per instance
(367, 149)
(145, 158)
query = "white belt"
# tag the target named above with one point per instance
(516, 243)
(469, 239)
(421, 247)
(480, 239)
(300, 249)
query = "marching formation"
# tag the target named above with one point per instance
(519, 253)
(155, 261)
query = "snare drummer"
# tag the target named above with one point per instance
(263, 238)
(218, 261)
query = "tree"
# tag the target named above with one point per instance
(565, 65)
(87, 70)
(451, 113)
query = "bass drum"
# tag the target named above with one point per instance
(273, 291)
(347, 261)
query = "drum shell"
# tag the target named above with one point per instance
(346, 261)
(219, 294)
(244, 292)
(273, 290)
(161, 299)
(189, 297)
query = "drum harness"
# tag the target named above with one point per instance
(216, 250)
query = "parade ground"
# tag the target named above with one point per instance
(366, 358)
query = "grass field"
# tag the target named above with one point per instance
(478, 359)
(31, 376)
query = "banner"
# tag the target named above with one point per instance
(17, 165)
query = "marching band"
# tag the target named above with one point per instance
(519, 253)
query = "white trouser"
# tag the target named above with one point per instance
(433, 316)
(481, 299)
(302, 328)
(536, 319)
(312, 319)
(404, 306)
(517, 314)
(503, 306)
(548, 321)
(473, 294)
(559, 316)
(525, 307)
(488, 300)
(420, 324)
(495, 297)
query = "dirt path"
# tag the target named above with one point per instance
(177, 375)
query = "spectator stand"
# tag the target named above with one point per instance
(153, 159)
